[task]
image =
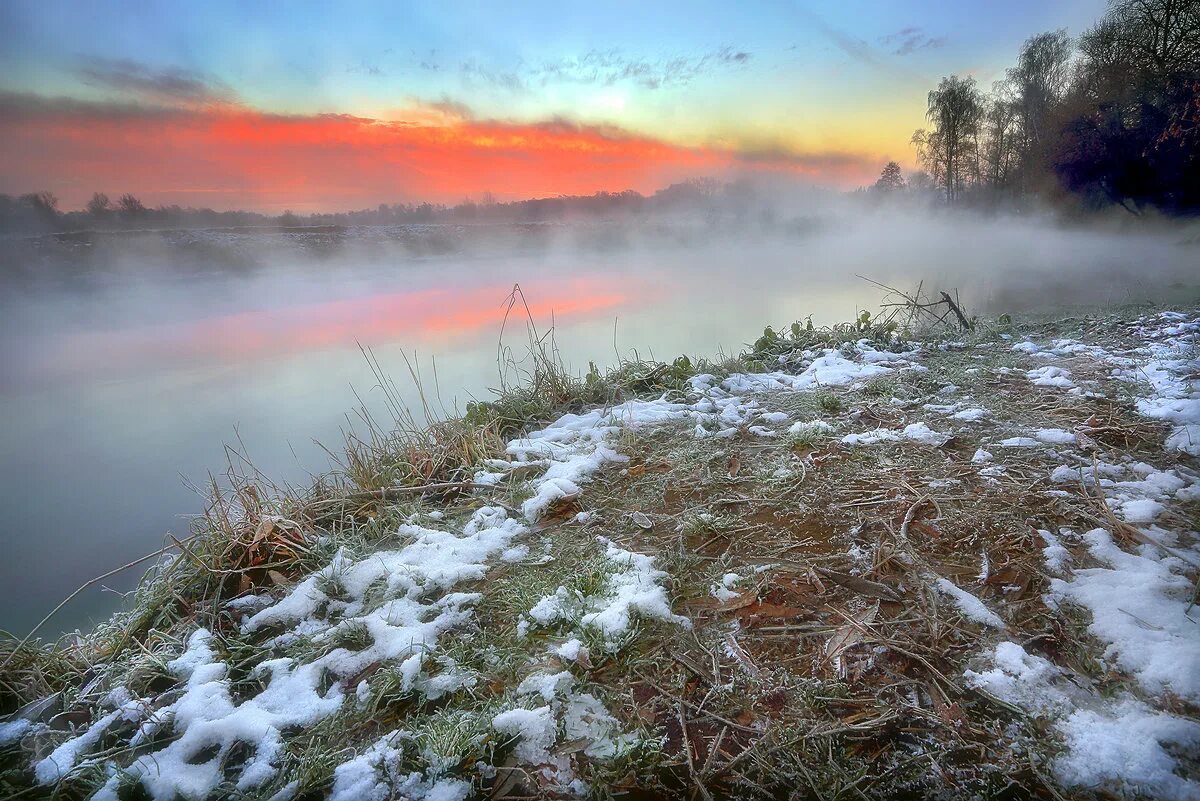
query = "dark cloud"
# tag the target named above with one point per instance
(474, 72)
(910, 40)
(365, 67)
(453, 108)
(608, 68)
(813, 160)
(858, 49)
(169, 86)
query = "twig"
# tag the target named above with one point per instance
(84, 586)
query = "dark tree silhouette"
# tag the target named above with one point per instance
(891, 179)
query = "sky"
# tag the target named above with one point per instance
(334, 106)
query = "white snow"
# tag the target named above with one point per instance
(1057, 557)
(971, 607)
(535, 729)
(1142, 510)
(1115, 744)
(1050, 376)
(1055, 436)
(811, 428)
(633, 588)
(573, 650)
(1139, 607)
(1020, 442)
(416, 581)
(373, 776)
(917, 432)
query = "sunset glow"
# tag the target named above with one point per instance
(311, 109)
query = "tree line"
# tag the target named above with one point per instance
(1112, 117)
(38, 212)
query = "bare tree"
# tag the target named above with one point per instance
(1039, 82)
(1159, 36)
(999, 151)
(130, 206)
(99, 205)
(950, 148)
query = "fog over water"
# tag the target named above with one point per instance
(124, 376)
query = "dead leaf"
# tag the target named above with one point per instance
(860, 585)
(740, 656)
(735, 464)
(642, 520)
(740, 601)
(264, 530)
(846, 637)
(636, 470)
(573, 746)
(277, 578)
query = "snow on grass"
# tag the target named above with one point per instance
(632, 589)
(811, 428)
(64, 758)
(1169, 373)
(916, 432)
(919, 432)
(1139, 608)
(1142, 510)
(1054, 436)
(971, 607)
(575, 446)
(1056, 555)
(1184, 416)
(573, 650)
(830, 369)
(724, 591)
(1112, 744)
(579, 718)
(373, 776)
(873, 437)
(415, 607)
(1050, 376)
(1123, 745)
(1020, 442)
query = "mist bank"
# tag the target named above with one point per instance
(1000, 262)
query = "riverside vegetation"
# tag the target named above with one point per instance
(889, 558)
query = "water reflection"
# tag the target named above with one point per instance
(110, 395)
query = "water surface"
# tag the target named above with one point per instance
(122, 385)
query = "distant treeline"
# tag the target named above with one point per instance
(1110, 118)
(39, 213)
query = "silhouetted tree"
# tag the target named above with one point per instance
(99, 205)
(1129, 134)
(950, 148)
(130, 207)
(891, 179)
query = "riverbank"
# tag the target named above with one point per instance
(852, 561)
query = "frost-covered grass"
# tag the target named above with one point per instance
(855, 561)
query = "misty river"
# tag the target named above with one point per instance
(121, 388)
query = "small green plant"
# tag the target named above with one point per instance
(828, 401)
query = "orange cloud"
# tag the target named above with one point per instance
(232, 156)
